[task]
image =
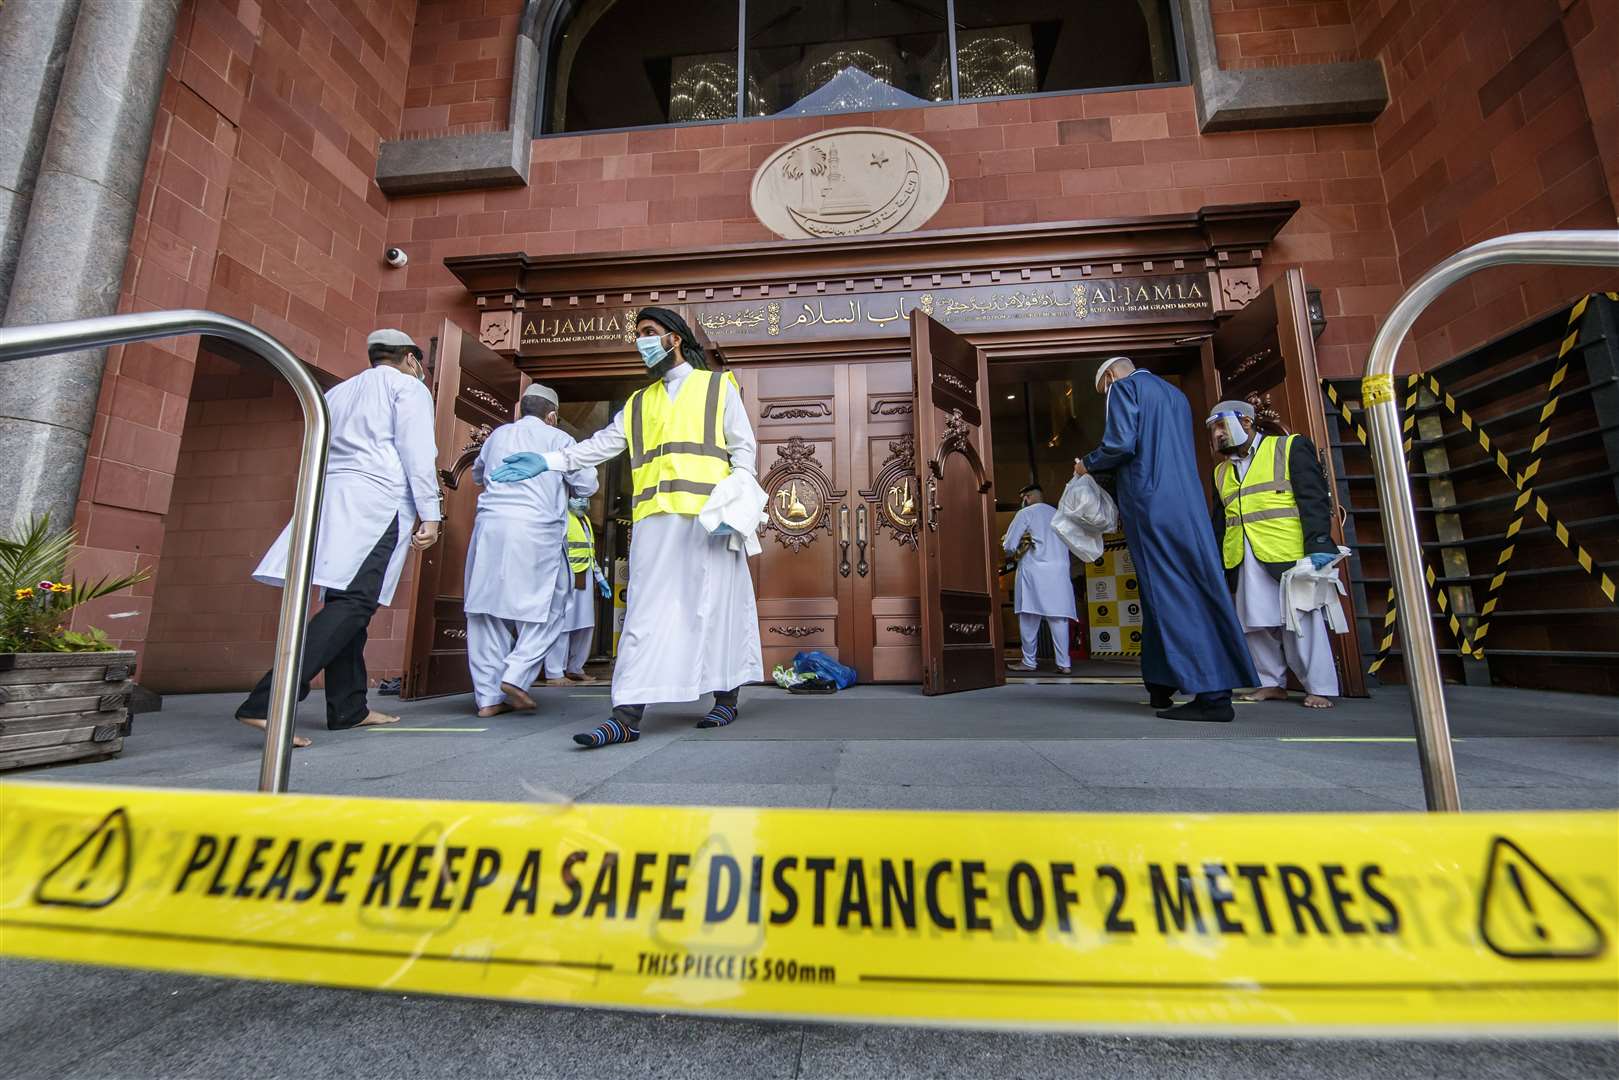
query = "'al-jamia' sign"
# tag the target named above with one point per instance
(849, 182)
(969, 309)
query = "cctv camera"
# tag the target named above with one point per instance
(395, 257)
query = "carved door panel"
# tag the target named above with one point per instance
(887, 605)
(804, 577)
(475, 391)
(961, 626)
(1265, 354)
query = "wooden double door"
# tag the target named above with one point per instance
(877, 546)
(839, 570)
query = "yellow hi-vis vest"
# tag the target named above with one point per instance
(1260, 506)
(677, 448)
(581, 543)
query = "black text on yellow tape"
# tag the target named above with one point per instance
(1405, 922)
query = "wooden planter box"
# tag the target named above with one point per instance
(63, 706)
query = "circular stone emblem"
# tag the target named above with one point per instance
(849, 182)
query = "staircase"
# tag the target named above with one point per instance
(1514, 456)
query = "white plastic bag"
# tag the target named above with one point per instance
(1085, 514)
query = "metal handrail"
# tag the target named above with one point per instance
(45, 339)
(1568, 247)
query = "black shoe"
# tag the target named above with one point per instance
(1162, 701)
(1201, 711)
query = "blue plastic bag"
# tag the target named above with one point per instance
(818, 663)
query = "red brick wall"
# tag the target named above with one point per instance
(1048, 159)
(1270, 33)
(1592, 29)
(1487, 132)
(461, 66)
(258, 202)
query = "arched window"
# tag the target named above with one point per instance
(636, 63)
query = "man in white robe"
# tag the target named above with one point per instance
(1045, 584)
(380, 498)
(517, 580)
(1256, 581)
(690, 625)
(566, 660)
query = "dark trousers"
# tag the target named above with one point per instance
(335, 643)
(630, 715)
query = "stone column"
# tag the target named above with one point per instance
(75, 244)
(35, 49)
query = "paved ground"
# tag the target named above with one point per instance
(1031, 746)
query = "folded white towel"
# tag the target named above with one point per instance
(737, 502)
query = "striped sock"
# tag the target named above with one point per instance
(718, 716)
(607, 734)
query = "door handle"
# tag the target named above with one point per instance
(933, 505)
(860, 537)
(843, 538)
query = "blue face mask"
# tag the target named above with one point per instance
(579, 506)
(652, 349)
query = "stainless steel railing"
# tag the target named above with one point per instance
(1559, 248)
(20, 342)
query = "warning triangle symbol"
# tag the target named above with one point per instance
(1526, 915)
(95, 872)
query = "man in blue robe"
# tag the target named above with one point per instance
(1190, 638)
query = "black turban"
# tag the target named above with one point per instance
(691, 351)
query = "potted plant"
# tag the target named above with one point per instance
(64, 694)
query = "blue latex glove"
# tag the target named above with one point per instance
(1321, 559)
(723, 530)
(519, 467)
(605, 589)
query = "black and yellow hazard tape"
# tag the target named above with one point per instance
(1522, 482)
(1248, 923)
(1441, 601)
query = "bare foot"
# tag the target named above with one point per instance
(298, 741)
(517, 696)
(494, 710)
(1316, 701)
(1265, 693)
(377, 719)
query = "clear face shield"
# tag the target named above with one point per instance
(1226, 428)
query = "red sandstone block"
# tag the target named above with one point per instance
(574, 217)
(1257, 169)
(1019, 212)
(1085, 131)
(183, 220)
(1121, 204)
(983, 189)
(588, 240)
(117, 484)
(1113, 104)
(135, 401)
(713, 207)
(1034, 185)
(1007, 161)
(702, 183)
(603, 192)
(117, 529)
(1286, 17)
(1105, 154)
(620, 214)
(554, 195)
(648, 188)
(579, 170)
(1064, 208)
(1159, 151)
(664, 211)
(1064, 158)
(720, 159)
(699, 136)
(1059, 107)
(1034, 134)
(473, 70)
(656, 140)
(1089, 181)
(1176, 200)
(1140, 126)
(1146, 177)
(471, 112)
(480, 224)
(948, 118)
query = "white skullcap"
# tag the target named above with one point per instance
(1241, 408)
(393, 339)
(540, 390)
(1102, 370)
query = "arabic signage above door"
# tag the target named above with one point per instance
(971, 309)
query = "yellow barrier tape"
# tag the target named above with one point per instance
(1385, 647)
(1376, 389)
(1520, 481)
(1244, 923)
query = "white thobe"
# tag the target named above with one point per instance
(1044, 589)
(1273, 648)
(517, 539)
(572, 646)
(690, 623)
(517, 578)
(380, 468)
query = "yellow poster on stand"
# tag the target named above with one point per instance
(1296, 923)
